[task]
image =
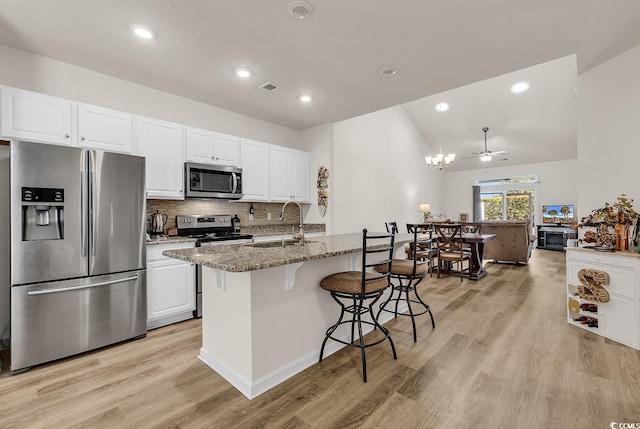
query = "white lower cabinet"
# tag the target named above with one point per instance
(171, 286)
(619, 318)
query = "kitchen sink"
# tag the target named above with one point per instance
(280, 243)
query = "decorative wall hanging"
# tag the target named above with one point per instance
(323, 190)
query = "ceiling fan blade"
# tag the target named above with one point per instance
(470, 157)
(500, 153)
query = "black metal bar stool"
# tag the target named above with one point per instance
(409, 273)
(360, 287)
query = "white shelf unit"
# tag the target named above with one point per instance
(618, 319)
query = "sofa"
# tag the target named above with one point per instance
(513, 242)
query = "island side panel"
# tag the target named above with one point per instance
(226, 325)
(289, 325)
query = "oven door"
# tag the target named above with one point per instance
(212, 181)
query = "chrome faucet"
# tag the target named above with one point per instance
(299, 237)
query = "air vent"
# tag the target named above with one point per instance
(272, 87)
(268, 86)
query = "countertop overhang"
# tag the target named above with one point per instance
(255, 256)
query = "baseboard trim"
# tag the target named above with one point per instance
(252, 389)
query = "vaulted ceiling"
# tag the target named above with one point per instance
(335, 54)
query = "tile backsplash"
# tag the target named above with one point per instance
(174, 208)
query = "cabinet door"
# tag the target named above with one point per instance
(620, 320)
(300, 175)
(171, 289)
(200, 146)
(255, 170)
(105, 129)
(226, 150)
(280, 173)
(31, 116)
(161, 143)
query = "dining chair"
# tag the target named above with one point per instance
(357, 291)
(409, 273)
(450, 248)
(470, 228)
(426, 247)
(392, 227)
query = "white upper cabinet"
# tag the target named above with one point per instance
(212, 148)
(36, 117)
(300, 179)
(226, 150)
(255, 170)
(106, 129)
(289, 174)
(162, 144)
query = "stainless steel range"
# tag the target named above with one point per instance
(208, 230)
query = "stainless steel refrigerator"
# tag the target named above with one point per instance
(78, 278)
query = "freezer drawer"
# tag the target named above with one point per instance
(54, 320)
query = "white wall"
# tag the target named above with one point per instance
(558, 184)
(32, 72)
(319, 141)
(609, 132)
(379, 173)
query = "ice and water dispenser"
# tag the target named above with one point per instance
(42, 214)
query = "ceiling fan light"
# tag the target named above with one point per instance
(485, 157)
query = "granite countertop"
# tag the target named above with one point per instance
(257, 256)
(169, 240)
(255, 230)
(280, 229)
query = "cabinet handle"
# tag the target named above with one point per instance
(66, 136)
(82, 138)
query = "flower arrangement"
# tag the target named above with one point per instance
(618, 217)
(620, 212)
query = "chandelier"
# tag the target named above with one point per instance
(441, 160)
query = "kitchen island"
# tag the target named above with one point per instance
(264, 315)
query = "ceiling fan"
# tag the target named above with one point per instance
(487, 155)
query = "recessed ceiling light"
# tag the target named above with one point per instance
(242, 72)
(442, 107)
(305, 98)
(143, 32)
(519, 87)
(300, 9)
(388, 71)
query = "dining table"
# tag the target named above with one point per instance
(476, 242)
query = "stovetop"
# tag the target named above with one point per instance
(207, 228)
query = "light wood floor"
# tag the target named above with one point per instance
(501, 356)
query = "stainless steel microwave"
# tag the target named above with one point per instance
(212, 181)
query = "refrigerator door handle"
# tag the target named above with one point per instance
(84, 223)
(93, 201)
(67, 289)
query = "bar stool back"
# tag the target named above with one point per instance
(409, 273)
(361, 290)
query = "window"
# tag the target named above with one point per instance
(508, 198)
